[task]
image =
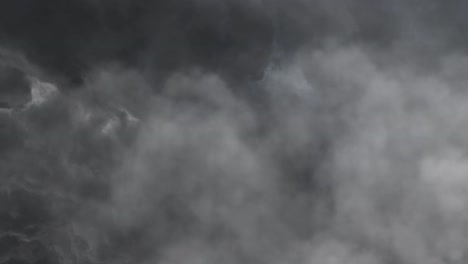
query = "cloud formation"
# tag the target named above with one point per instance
(233, 131)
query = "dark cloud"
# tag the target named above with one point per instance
(202, 131)
(235, 38)
(72, 37)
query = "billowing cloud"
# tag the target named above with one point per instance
(248, 131)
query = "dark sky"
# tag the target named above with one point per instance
(233, 37)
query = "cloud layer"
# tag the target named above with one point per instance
(183, 132)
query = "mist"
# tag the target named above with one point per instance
(198, 132)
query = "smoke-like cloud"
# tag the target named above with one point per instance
(187, 131)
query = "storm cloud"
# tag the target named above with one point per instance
(200, 131)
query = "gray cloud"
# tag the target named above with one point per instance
(233, 131)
